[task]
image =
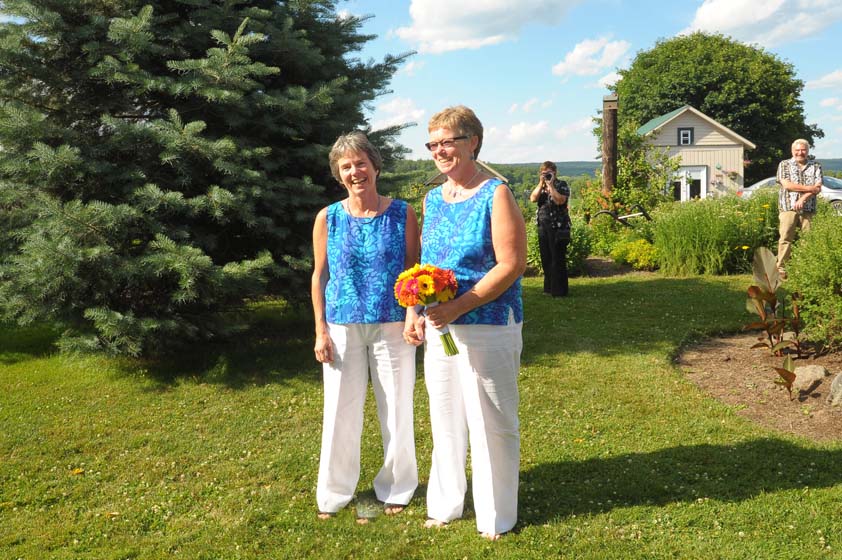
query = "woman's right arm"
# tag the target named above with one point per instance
(324, 347)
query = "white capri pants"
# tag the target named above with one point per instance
(377, 348)
(474, 397)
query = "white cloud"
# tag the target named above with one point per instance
(399, 110)
(472, 24)
(832, 80)
(768, 23)
(832, 102)
(575, 128)
(529, 105)
(411, 67)
(608, 80)
(526, 131)
(591, 56)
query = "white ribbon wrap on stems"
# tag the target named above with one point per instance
(444, 332)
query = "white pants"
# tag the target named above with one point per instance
(474, 395)
(359, 349)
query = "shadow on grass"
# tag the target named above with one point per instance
(18, 344)
(727, 473)
(628, 315)
(277, 347)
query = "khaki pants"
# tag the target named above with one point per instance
(789, 223)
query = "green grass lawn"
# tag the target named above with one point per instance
(214, 455)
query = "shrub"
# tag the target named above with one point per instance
(713, 236)
(815, 272)
(639, 253)
(605, 233)
(579, 247)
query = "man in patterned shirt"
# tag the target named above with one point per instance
(801, 180)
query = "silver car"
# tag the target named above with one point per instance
(831, 190)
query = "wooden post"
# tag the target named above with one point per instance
(609, 144)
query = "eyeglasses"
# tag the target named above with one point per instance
(447, 143)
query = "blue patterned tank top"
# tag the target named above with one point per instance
(364, 258)
(457, 235)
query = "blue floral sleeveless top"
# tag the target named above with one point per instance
(457, 235)
(364, 258)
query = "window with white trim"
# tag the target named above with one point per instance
(685, 136)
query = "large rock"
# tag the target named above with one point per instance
(808, 378)
(835, 396)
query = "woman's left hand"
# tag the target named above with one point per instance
(443, 314)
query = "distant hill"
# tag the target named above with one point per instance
(565, 168)
(831, 164)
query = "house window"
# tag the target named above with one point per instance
(685, 136)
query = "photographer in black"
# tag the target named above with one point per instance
(553, 219)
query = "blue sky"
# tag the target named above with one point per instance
(535, 70)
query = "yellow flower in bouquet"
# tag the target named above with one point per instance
(426, 286)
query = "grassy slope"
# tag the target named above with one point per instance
(215, 455)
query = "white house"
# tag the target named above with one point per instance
(712, 155)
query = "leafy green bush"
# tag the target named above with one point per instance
(815, 272)
(577, 250)
(639, 253)
(714, 235)
(579, 247)
(605, 233)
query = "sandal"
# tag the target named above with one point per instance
(393, 509)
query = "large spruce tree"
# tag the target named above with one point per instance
(744, 87)
(161, 160)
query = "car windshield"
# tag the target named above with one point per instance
(768, 182)
(832, 183)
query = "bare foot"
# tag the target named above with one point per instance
(325, 515)
(393, 509)
(362, 521)
(431, 523)
(491, 536)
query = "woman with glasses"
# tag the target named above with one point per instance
(360, 245)
(553, 219)
(473, 226)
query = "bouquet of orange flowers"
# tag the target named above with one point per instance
(426, 286)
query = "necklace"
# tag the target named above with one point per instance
(458, 192)
(365, 219)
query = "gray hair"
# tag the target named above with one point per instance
(356, 142)
(801, 142)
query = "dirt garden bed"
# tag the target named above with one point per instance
(729, 370)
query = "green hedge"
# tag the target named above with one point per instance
(815, 272)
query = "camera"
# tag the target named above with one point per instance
(547, 176)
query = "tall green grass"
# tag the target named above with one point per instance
(715, 235)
